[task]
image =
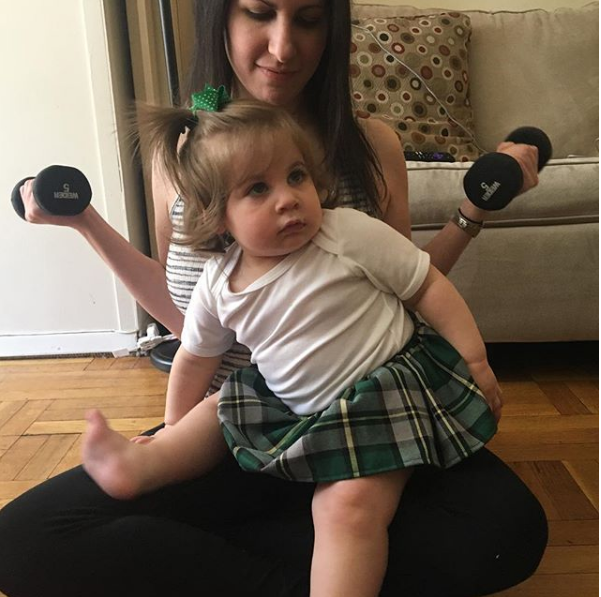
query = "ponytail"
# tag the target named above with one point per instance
(167, 136)
(160, 130)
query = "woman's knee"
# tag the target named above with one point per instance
(23, 548)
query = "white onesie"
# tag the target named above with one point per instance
(321, 319)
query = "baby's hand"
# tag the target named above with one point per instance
(142, 439)
(487, 382)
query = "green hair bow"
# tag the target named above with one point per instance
(210, 99)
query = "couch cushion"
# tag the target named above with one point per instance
(531, 284)
(413, 72)
(435, 191)
(536, 67)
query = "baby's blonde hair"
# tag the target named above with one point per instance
(201, 168)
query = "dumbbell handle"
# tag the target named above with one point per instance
(529, 135)
(496, 178)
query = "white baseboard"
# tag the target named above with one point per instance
(117, 343)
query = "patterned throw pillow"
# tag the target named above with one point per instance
(413, 73)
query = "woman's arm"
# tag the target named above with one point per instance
(189, 381)
(441, 305)
(143, 276)
(450, 242)
(448, 245)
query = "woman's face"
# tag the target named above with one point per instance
(275, 46)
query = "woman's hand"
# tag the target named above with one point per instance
(36, 215)
(487, 382)
(527, 157)
(146, 439)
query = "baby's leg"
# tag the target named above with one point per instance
(351, 521)
(125, 470)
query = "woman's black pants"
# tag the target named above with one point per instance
(471, 530)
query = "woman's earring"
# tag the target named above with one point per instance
(325, 196)
(226, 45)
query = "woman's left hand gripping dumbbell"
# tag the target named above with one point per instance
(527, 158)
(497, 178)
(55, 196)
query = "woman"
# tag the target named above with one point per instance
(471, 530)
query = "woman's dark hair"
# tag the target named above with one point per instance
(327, 94)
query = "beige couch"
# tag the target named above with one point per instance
(532, 274)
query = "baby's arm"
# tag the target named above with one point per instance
(441, 305)
(189, 380)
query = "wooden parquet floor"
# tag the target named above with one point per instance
(548, 435)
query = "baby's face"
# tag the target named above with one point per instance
(273, 208)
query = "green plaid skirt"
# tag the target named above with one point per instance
(421, 407)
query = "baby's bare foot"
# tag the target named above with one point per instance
(114, 462)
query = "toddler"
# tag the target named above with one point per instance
(348, 389)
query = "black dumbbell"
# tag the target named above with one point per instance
(496, 178)
(58, 190)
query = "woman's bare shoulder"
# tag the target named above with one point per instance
(381, 136)
(388, 149)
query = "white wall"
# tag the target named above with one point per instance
(56, 107)
(482, 4)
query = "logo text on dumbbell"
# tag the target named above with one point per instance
(490, 190)
(66, 193)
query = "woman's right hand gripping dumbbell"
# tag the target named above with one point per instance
(57, 195)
